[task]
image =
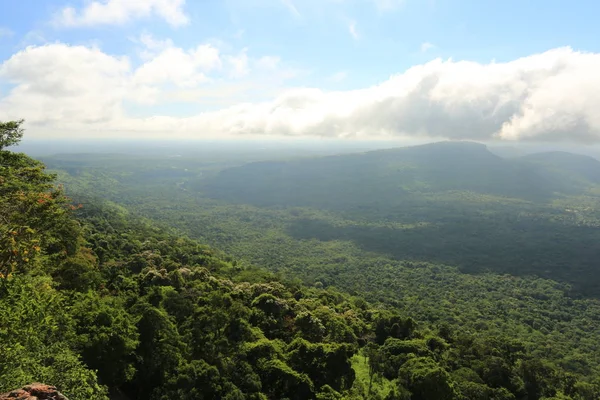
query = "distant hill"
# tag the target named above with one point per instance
(566, 172)
(388, 176)
(506, 151)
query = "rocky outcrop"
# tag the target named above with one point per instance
(35, 391)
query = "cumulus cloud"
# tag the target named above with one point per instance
(114, 12)
(58, 83)
(179, 67)
(79, 87)
(554, 95)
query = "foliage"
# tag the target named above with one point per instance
(37, 334)
(10, 133)
(113, 302)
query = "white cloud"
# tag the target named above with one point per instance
(338, 76)
(352, 29)
(115, 12)
(152, 44)
(239, 64)
(269, 62)
(549, 96)
(77, 86)
(169, 66)
(179, 67)
(426, 47)
(59, 83)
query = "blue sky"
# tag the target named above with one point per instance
(270, 51)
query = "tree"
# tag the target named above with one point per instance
(375, 362)
(18, 246)
(36, 334)
(426, 380)
(107, 337)
(160, 348)
(10, 133)
(323, 363)
(34, 214)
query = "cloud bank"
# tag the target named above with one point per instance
(550, 96)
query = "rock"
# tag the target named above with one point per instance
(35, 391)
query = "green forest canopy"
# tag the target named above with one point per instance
(96, 300)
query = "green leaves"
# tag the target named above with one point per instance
(19, 246)
(10, 133)
(106, 337)
(37, 336)
(426, 380)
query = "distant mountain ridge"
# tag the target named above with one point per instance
(394, 173)
(571, 168)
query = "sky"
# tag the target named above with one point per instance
(508, 70)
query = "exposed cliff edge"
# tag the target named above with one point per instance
(35, 391)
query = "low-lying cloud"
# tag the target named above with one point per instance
(552, 96)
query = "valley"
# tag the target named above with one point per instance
(440, 263)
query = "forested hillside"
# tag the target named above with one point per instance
(100, 301)
(454, 203)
